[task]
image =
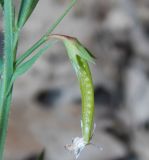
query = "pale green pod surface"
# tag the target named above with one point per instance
(87, 92)
(79, 58)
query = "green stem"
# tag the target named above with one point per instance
(29, 51)
(15, 44)
(4, 122)
(8, 64)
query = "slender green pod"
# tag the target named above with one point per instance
(79, 57)
(87, 92)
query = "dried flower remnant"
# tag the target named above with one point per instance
(78, 144)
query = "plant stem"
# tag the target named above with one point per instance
(8, 64)
(4, 122)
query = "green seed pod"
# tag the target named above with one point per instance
(87, 92)
(79, 57)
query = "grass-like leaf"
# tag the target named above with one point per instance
(8, 38)
(45, 37)
(26, 9)
(50, 30)
(24, 67)
(30, 51)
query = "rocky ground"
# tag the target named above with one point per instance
(46, 107)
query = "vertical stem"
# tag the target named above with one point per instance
(4, 123)
(5, 99)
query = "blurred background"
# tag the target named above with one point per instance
(46, 107)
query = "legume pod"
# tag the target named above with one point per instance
(79, 57)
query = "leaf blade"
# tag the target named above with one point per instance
(8, 40)
(22, 68)
(26, 9)
(44, 38)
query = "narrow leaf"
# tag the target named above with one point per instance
(24, 67)
(8, 39)
(28, 64)
(30, 51)
(45, 37)
(61, 17)
(26, 9)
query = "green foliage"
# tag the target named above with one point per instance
(45, 37)
(26, 9)
(11, 68)
(8, 38)
(7, 71)
(24, 67)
